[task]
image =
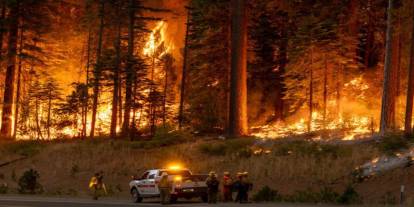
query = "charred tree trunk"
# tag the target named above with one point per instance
(168, 63)
(38, 130)
(280, 86)
(387, 99)
(2, 26)
(19, 76)
(310, 104)
(120, 101)
(238, 125)
(370, 39)
(86, 98)
(340, 69)
(49, 112)
(152, 107)
(325, 90)
(129, 69)
(184, 73)
(115, 97)
(8, 101)
(410, 88)
(353, 27)
(97, 69)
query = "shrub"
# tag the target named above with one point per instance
(4, 188)
(327, 195)
(213, 149)
(266, 194)
(349, 196)
(29, 182)
(304, 196)
(74, 170)
(392, 143)
(241, 147)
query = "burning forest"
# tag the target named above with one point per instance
(269, 69)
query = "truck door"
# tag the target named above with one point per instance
(151, 185)
(142, 184)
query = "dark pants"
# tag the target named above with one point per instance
(212, 196)
(227, 194)
(242, 196)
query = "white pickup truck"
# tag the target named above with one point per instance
(184, 185)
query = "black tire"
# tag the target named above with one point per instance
(173, 199)
(136, 198)
(204, 198)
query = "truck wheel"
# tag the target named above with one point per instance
(173, 199)
(204, 198)
(136, 198)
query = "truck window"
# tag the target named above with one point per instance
(151, 176)
(144, 176)
(183, 173)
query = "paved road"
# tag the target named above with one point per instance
(17, 201)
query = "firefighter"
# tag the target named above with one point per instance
(247, 186)
(93, 185)
(96, 185)
(213, 187)
(238, 187)
(165, 189)
(227, 187)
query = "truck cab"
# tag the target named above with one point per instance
(184, 184)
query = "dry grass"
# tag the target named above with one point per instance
(66, 166)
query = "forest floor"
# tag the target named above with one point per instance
(300, 171)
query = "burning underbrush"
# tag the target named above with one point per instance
(353, 116)
(351, 128)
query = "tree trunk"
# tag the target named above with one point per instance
(115, 97)
(19, 76)
(2, 26)
(340, 69)
(97, 69)
(152, 107)
(370, 39)
(310, 104)
(410, 88)
(184, 73)
(168, 63)
(325, 90)
(238, 125)
(353, 18)
(49, 109)
(386, 109)
(39, 131)
(280, 86)
(120, 102)
(86, 98)
(8, 101)
(129, 69)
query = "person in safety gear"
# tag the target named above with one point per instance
(247, 187)
(97, 185)
(213, 187)
(227, 187)
(165, 188)
(238, 187)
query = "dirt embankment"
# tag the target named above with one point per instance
(65, 167)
